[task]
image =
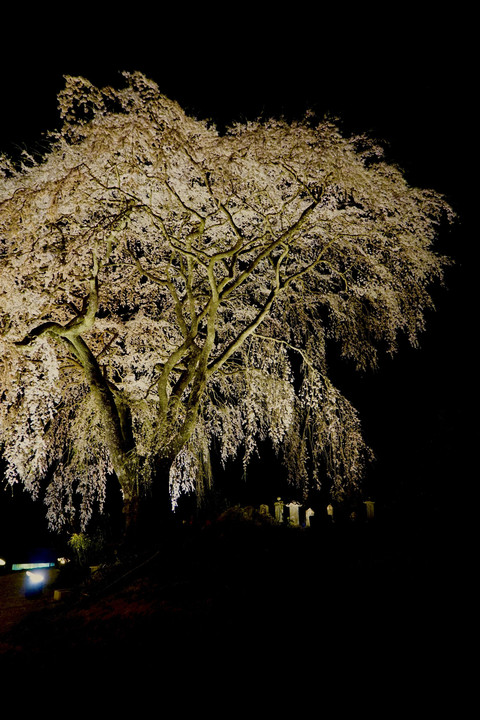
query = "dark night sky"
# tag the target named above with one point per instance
(406, 80)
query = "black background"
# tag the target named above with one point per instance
(408, 80)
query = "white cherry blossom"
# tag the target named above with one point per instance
(165, 288)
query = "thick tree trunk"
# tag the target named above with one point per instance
(157, 511)
(147, 514)
(130, 514)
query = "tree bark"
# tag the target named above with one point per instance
(148, 514)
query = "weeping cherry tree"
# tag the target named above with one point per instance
(166, 289)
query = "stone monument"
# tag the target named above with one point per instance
(308, 515)
(279, 510)
(294, 508)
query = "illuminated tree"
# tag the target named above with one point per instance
(166, 288)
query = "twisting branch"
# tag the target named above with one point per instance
(80, 324)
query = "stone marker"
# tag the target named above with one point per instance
(279, 510)
(294, 508)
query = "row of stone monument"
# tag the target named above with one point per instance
(292, 517)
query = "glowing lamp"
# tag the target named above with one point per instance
(35, 578)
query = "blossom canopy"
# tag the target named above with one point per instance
(166, 289)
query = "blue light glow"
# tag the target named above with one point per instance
(32, 566)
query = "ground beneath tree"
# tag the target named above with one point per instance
(234, 599)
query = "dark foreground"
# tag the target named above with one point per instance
(237, 603)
